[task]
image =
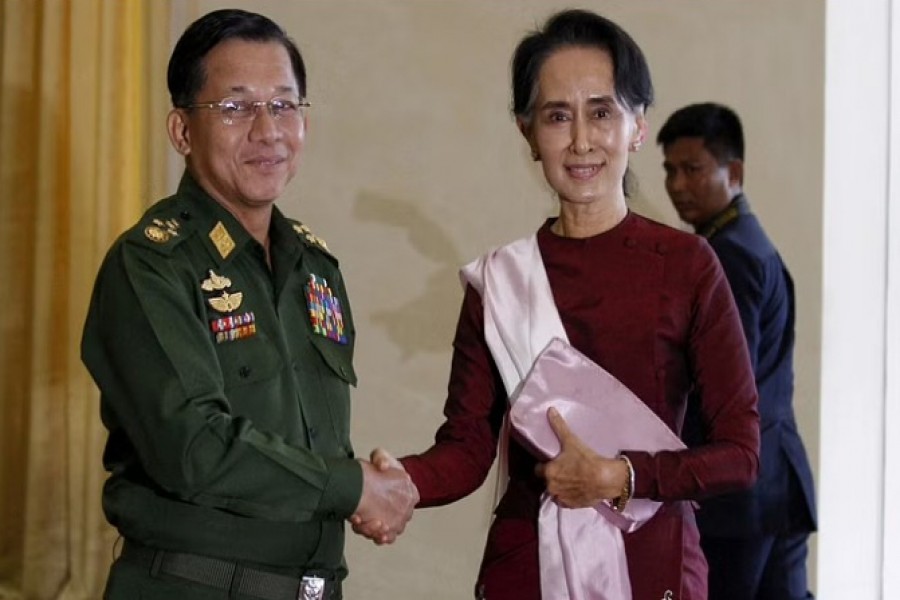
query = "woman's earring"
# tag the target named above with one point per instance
(635, 145)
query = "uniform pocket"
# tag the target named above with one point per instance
(338, 357)
(248, 361)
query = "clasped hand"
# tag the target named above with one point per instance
(388, 499)
(579, 477)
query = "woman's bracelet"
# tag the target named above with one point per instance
(618, 504)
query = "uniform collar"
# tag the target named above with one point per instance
(737, 207)
(282, 234)
(222, 234)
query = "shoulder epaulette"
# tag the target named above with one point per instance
(309, 238)
(159, 231)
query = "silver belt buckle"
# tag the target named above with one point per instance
(311, 588)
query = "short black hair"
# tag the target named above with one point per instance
(718, 125)
(187, 73)
(580, 28)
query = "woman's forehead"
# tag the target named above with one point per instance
(589, 72)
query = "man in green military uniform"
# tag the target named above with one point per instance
(221, 338)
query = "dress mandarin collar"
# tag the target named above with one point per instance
(617, 231)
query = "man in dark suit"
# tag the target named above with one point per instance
(755, 541)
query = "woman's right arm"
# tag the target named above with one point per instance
(466, 443)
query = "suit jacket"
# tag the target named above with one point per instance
(783, 497)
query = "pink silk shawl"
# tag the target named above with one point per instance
(581, 551)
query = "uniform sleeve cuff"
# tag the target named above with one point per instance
(344, 489)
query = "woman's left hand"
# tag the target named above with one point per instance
(579, 477)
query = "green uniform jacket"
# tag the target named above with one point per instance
(228, 414)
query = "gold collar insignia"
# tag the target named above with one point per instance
(221, 239)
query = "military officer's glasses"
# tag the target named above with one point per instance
(235, 111)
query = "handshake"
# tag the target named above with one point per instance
(388, 499)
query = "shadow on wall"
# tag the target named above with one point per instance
(426, 322)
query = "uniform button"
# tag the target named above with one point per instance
(630, 242)
(185, 215)
(313, 432)
(244, 372)
(661, 247)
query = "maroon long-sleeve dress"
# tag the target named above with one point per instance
(652, 306)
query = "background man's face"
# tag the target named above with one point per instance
(698, 185)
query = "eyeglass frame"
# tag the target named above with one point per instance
(254, 105)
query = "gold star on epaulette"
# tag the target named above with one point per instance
(304, 231)
(162, 231)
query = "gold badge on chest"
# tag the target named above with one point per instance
(224, 303)
(227, 303)
(215, 282)
(227, 326)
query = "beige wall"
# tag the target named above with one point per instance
(413, 167)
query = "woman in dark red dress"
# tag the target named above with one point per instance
(648, 303)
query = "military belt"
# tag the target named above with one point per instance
(235, 578)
